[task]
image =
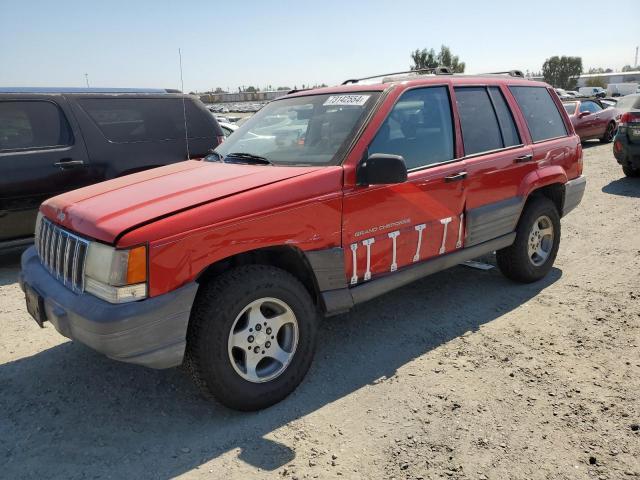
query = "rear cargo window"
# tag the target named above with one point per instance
(540, 112)
(33, 124)
(125, 120)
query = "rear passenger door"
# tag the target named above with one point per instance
(546, 127)
(42, 154)
(126, 134)
(496, 159)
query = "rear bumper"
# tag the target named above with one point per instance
(150, 332)
(629, 155)
(573, 193)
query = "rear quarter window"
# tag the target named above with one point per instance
(127, 120)
(540, 112)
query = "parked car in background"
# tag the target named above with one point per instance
(597, 92)
(563, 94)
(591, 119)
(574, 93)
(324, 199)
(621, 89)
(626, 145)
(56, 140)
(228, 128)
(608, 102)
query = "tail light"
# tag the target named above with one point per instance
(580, 162)
(626, 118)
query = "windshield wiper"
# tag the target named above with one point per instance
(249, 158)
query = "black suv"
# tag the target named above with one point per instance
(56, 140)
(626, 143)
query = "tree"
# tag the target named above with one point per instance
(562, 72)
(596, 82)
(629, 68)
(252, 89)
(424, 58)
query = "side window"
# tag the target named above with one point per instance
(33, 124)
(480, 128)
(590, 107)
(419, 128)
(540, 112)
(125, 120)
(510, 133)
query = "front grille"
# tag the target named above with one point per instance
(62, 253)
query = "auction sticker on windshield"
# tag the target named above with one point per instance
(343, 100)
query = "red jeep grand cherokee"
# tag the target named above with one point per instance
(324, 199)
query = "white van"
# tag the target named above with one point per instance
(621, 89)
(592, 91)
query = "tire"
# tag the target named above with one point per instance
(629, 171)
(220, 368)
(609, 133)
(515, 262)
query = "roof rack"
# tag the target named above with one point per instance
(511, 73)
(296, 90)
(435, 71)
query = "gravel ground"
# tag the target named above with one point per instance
(463, 375)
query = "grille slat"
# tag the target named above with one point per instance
(63, 254)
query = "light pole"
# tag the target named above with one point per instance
(86, 79)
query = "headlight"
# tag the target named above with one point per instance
(117, 276)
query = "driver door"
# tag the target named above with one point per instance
(388, 227)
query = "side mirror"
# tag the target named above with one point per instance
(584, 114)
(382, 169)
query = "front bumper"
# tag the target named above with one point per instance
(150, 332)
(573, 193)
(629, 155)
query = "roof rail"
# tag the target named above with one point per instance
(81, 90)
(511, 73)
(435, 71)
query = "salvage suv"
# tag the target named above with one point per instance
(324, 199)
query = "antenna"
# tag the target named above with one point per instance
(184, 107)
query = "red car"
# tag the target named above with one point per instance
(591, 119)
(322, 200)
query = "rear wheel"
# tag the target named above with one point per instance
(609, 133)
(536, 245)
(251, 337)
(629, 171)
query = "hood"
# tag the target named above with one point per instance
(104, 210)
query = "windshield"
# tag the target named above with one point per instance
(570, 107)
(309, 130)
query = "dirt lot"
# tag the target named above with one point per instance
(463, 375)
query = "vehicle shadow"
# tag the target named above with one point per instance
(68, 412)
(9, 266)
(625, 186)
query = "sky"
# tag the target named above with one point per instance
(283, 43)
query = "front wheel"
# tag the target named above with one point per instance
(251, 336)
(536, 245)
(609, 133)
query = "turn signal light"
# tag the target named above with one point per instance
(137, 265)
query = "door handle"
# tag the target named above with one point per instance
(524, 158)
(456, 177)
(67, 162)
